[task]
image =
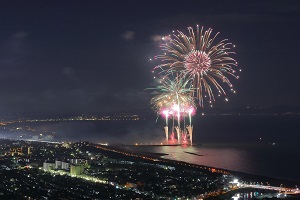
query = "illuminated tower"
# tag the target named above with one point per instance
(29, 150)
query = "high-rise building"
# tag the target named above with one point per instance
(48, 166)
(65, 165)
(29, 150)
(77, 161)
(16, 151)
(76, 170)
(58, 164)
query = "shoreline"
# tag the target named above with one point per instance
(248, 145)
(160, 145)
(156, 157)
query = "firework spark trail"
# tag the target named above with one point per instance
(193, 66)
(196, 56)
(174, 97)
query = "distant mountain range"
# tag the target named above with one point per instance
(278, 109)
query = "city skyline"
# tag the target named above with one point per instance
(73, 57)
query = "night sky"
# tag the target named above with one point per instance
(93, 56)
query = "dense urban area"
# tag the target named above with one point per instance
(82, 170)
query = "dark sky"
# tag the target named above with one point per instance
(85, 56)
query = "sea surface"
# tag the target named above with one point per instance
(266, 145)
(277, 161)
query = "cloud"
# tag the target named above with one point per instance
(20, 35)
(157, 38)
(17, 41)
(14, 49)
(128, 35)
(131, 96)
(68, 72)
(64, 99)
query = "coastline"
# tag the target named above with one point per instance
(156, 157)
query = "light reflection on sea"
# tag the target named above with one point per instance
(259, 159)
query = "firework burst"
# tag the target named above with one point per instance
(172, 92)
(193, 66)
(173, 98)
(197, 57)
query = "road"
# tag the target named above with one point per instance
(268, 187)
